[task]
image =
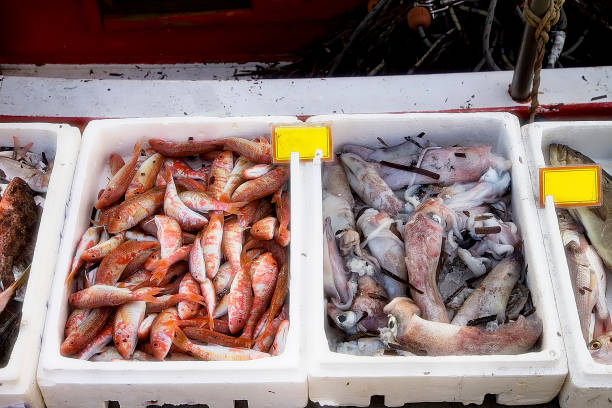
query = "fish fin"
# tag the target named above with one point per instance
(573, 247)
(201, 174)
(602, 326)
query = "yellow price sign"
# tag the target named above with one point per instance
(305, 140)
(571, 186)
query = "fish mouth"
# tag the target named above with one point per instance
(555, 153)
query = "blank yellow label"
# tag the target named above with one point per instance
(305, 140)
(571, 186)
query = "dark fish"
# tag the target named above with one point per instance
(18, 217)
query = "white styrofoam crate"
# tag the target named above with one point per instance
(588, 383)
(68, 382)
(534, 377)
(18, 377)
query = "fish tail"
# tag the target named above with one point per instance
(193, 322)
(159, 273)
(225, 197)
(71, 276)
(192, 297)
(234, 208)
(202, 175)
(22, 279)
(137, 148)
(276, 197)
(147, 294)
(180, 340)
(167, 176)
(211, 322)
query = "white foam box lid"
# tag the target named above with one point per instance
(529, 378)
(588, 381)
(60, 142)
(68, 382)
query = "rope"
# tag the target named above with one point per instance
(364, 23)
(542, 26)
(486, 33)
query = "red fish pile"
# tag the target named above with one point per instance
(184, 261)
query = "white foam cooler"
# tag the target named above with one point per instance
(588, 383)
(68, 382)
(18, 377)
(529, 378)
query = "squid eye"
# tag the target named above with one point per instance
(391, 323)
(435, 217)
(595, 345)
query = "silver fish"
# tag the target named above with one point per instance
(584, 279)
(596, 221)
(603, 324)
(601, 348)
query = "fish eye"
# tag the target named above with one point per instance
(595, 345)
